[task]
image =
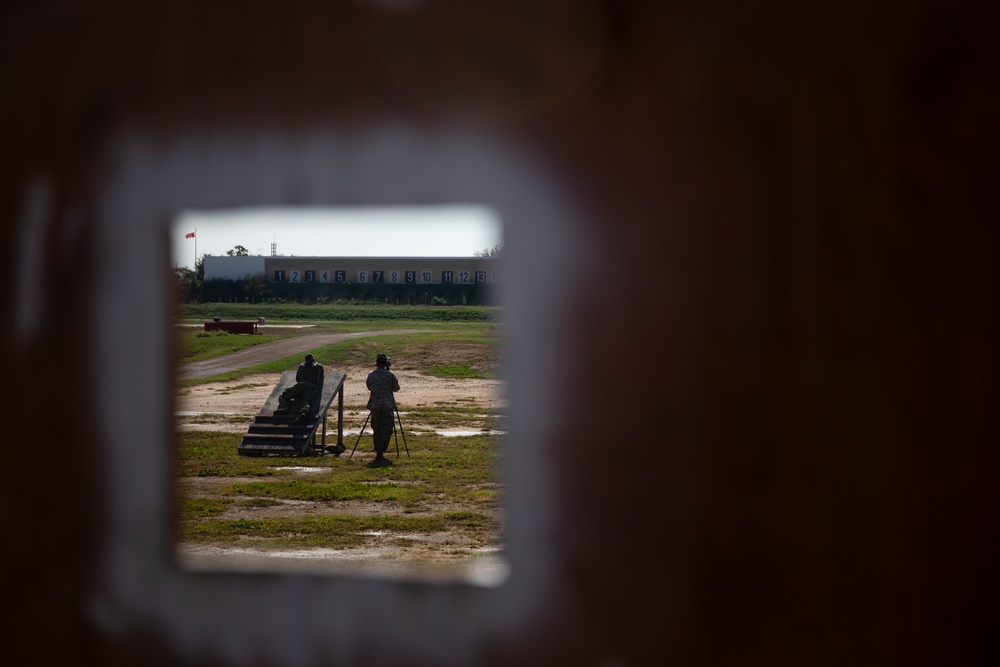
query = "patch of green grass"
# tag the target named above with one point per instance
(318, 491)
(215, 419)
(457, 371)
(475, 343)
(457, 471)
(201, 508)
(200, 345)
(258, 502)
(337, 532)
(215, 454)
(337, 313)
(449, 410)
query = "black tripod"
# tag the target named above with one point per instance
(401, 433)
(359, 435)
(393, 435)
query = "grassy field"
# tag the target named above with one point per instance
(446, 486)
(458, 349)
(337, 312)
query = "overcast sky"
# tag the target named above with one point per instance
(438, 231)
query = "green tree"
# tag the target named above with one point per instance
(256, 287)
(238, 251)
(189, 281)
(495, 251)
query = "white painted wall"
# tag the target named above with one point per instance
(233, 268)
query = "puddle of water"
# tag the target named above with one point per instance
(198, 414)
(301, 469)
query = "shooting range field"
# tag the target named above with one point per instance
(437, 512)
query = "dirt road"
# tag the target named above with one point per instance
(259, 354)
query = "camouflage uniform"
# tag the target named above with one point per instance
(308, 378)
(381, 383)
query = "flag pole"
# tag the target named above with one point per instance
(196, 249)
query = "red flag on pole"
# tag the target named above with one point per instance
(189, 235)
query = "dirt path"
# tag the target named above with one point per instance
(259, 354)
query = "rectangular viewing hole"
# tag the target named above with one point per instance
(260, 288)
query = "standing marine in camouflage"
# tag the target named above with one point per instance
(382, 383)
(301, 395)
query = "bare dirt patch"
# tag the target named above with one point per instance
(231, 406)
